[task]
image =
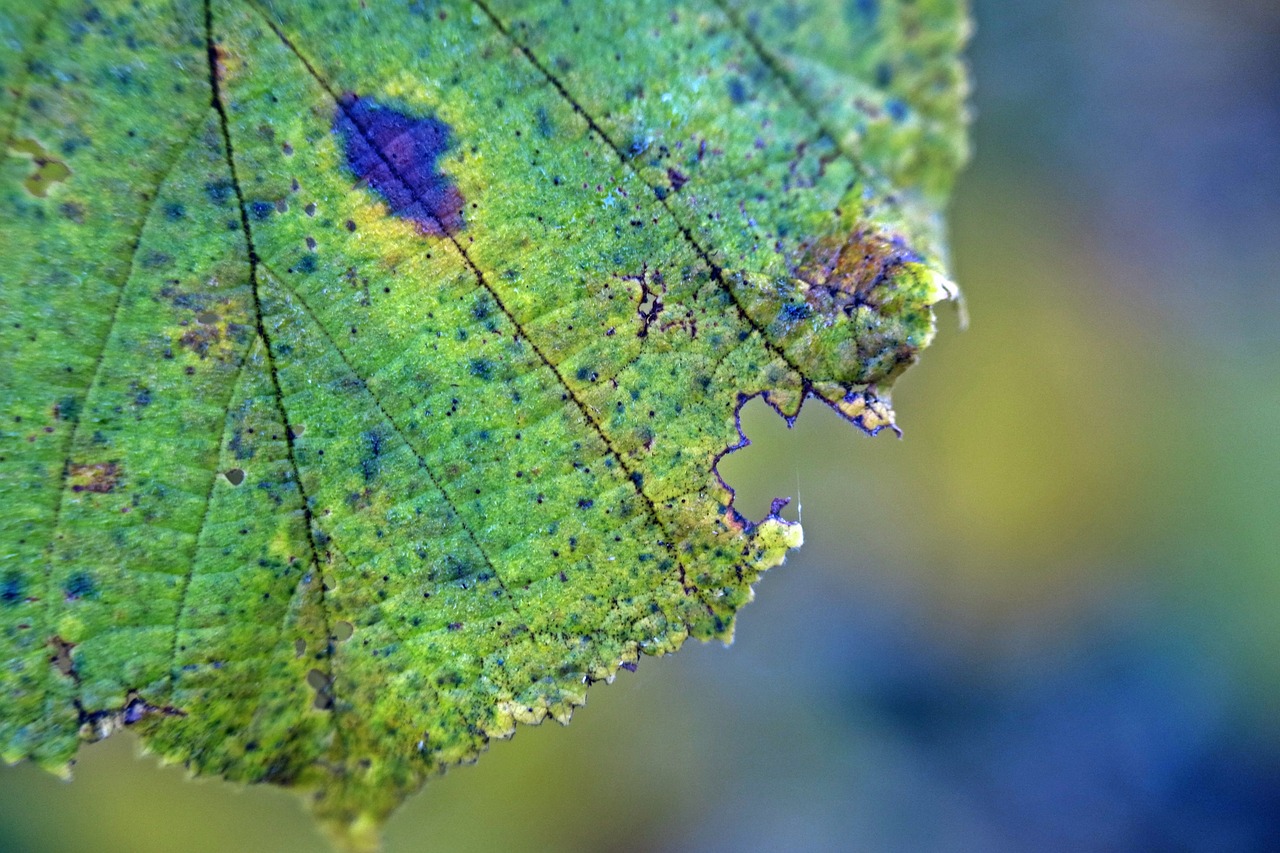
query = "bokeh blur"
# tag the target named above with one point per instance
(1048, 619)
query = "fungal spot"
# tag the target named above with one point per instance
(371, 463)
(220, 192)
(842, 273)
(79, 585)
(199, 339)
(396, 155)
(542, 121)
(12, 588)
(342, 631)
(48, 170)
(97, 477)
(323, 687)
(66, 409)
(652, 288)
(72, 210)
(855, 312)
(235, 476)
(62, 656)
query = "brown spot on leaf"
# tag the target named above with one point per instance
(199, 338)
(321, 683)
(48, 169)
(98, 477)
(844, 271)
(62, 657)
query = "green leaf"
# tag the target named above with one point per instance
(367, 369)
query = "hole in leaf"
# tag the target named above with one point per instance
(207, 317)
(767, 467)
(343, 631)
(235, 476)
(299, 647)
(810, 462)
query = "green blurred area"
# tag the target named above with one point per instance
(1044, 619)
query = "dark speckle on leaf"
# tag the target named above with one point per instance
(79, 585)
(396, 154)
(67, 409)
(12, 587)
(219, 192)
(796, 312)
(543, 122)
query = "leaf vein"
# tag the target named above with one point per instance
(216, 100)
(483, 281)
(422, 462)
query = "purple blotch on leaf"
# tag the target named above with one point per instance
(395, 154)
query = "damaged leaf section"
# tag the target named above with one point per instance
(395, 154)
(97, 725)
(854, 313)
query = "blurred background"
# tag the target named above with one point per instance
(1048, 619)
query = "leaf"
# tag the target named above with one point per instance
(367, 369)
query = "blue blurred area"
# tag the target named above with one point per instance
(1157, 121)
(1118, 737)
